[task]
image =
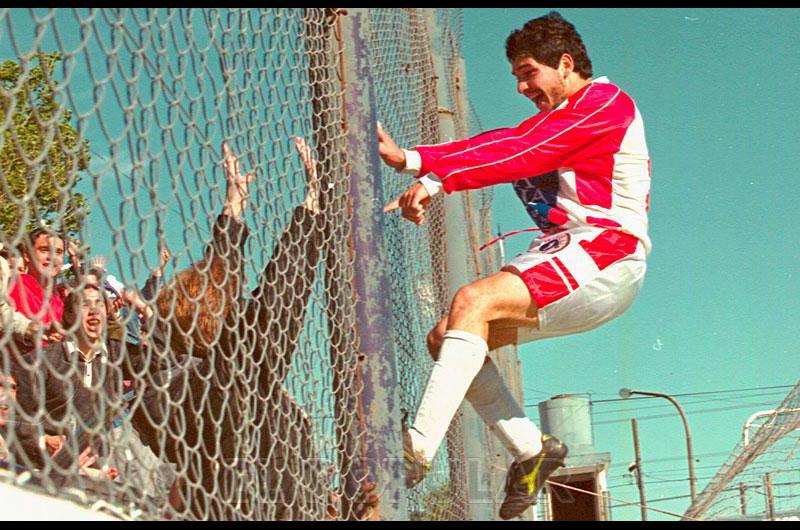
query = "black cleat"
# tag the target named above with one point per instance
(526, 479)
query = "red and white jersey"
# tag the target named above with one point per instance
(584, 163)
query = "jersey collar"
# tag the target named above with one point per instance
(601, 79)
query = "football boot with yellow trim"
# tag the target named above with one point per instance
(526, 479)
(416, 466)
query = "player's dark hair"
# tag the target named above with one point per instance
(546, 39)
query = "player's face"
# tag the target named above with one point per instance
(48, 256)
(540, 83)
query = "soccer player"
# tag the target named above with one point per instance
(581, 168)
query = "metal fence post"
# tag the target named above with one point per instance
(327, 121)
(380, 396)
(458, 258)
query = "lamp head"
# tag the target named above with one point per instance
(625, 393)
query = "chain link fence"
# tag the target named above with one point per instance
(197, 355)
(406, 101)
(761, 478)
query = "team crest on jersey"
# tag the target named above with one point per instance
(554, 244)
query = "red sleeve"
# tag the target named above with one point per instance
(541, 144)
(432, 153)
(20, 297)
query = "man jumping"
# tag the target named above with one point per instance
(581, 168)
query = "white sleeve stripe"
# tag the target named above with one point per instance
(495, 162)
(526, 133)
(583, 96)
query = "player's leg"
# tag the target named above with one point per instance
(501, 333)
(501, 296)
(579, 279)
(536, 456)
(461, 357)
(489, 395)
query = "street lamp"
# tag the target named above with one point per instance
(625, 393)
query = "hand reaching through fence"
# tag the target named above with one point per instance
(311, 165)
(241, 372)
(249, 340)
(237, 190)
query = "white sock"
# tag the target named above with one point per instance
(494, 403)
(460, 359)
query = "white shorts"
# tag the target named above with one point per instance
(579, 279)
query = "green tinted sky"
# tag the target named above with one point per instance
(719, 308)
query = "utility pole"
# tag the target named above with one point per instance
(639, 477)
(742, 502)
(770, 498)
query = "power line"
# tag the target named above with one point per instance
(606, 496)
(654, 500)
(706, 400)
(674, 458)
(750, 488)
(655, 479)
(685, 394)
(656, 416)
(538, 391)
(709, 466)
(698, 393)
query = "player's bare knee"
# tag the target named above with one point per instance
(435, 338)
(468, 299)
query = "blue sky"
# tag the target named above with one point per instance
(719, 307)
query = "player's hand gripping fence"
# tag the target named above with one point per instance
(196, 162)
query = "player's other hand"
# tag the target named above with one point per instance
(413, 203)
(391, 154)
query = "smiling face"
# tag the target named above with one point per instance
(547, 87)
(93, 316)
(45, 258)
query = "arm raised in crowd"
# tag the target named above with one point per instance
(197, 300)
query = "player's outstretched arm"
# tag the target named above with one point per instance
(391, 154)
(414, 201)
